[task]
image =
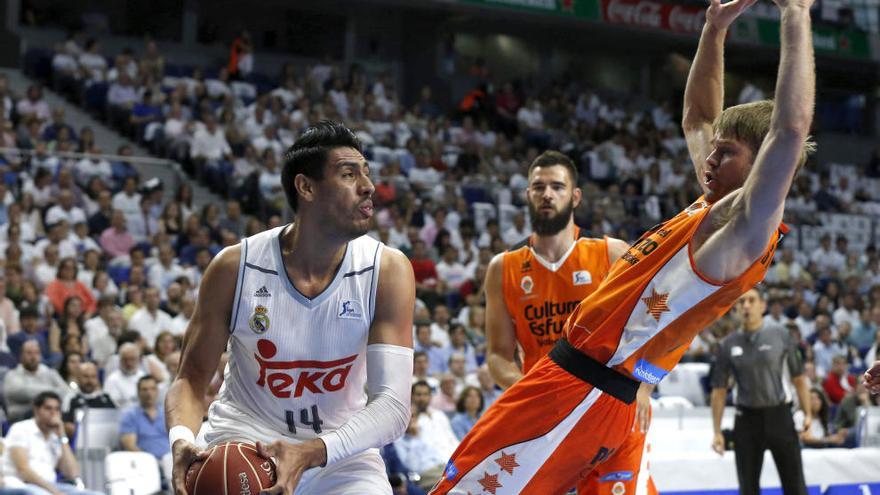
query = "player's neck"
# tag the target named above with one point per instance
(317, 254)
(553, 247)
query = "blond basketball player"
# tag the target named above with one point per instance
(313, 314)
(575, 408)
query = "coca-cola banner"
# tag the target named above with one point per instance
(654, 15)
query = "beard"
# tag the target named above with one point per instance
(552, 225)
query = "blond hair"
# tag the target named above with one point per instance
(750, 123)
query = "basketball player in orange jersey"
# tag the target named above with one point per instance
(533, 288)
(318, 321)
(576, 406)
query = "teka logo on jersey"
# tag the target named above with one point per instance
(297, 377)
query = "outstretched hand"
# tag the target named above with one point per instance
(721, 15)
(184, 453)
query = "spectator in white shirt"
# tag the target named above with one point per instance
(34, 106)
(166, 271)
(451, 271)
(150, 320)
(847, 312)
(128, 200)
(93, 166)
(103, 329)
(419, 455)
(268, 140)
(827, 259)
(181, 321)
(121, 384)
(518, 231)
(66, 210)
(93, 64)
(434, 425)
(423, 176)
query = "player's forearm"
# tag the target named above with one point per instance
(704, 91)
(504, 371)
(717, 400)
(796, 81)
(184, 405)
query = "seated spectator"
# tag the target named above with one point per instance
(487, 386)
(459, 344)
(468, 408)
(433, 424)
(437, 359)
(820, 435)
(420, 370)
(846, 418)
(825, 347)
(103, 329)
(838, 382)
(865, 332)
(27, 380)
(65, 209)
(457, 364)
(419, 455)
(167, 270)
(142, 426)
(66, 285)
(39, 446)
(30, 330)
(181, 321)
(149, 320)
(33, 106)
(89, 396)
(8, 314)
(444, 399)
(121, 384)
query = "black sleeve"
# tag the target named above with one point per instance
(792, 357)
(720, 374)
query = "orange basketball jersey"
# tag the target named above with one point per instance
(540, 295)
(654, 301)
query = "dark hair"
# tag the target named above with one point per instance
(419, 354)
(65, 361)
(42, 397)
(459, 404)
(552, 158)
(308, 154)
(420, 383)
(146, 378)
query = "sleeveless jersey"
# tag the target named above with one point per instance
(540, 295)
(297, 366)
(654, 301)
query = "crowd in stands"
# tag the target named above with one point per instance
(100, 272)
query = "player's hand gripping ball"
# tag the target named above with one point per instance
(230, 467)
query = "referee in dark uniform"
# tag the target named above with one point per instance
(763, 363)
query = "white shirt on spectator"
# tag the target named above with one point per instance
(179, 324)
(149, 325)
(129, 205)
(424, 177)
(101, 343)
(122, 388)
(74, 215)
(95, 65)
(123, 94)
(435, 428)
(66, 249)
(160, 276)
(417, 453)
(210, 145)
(842, 314)
(454, 274)
(828, 261)
(38, 108)
(530, 118)
(87, 168)
(43, 453)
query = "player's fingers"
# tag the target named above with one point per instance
(266, 451)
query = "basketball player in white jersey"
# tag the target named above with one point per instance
(313, 313)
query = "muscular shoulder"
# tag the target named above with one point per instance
(396, 268)
(222, 272)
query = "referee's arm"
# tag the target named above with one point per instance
(800, 380)
(720, 380)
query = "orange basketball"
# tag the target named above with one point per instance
(230, 467)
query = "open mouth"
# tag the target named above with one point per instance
(709, 179)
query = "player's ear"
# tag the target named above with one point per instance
(576, 196)
(305, 187)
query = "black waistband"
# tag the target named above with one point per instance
(593, 372)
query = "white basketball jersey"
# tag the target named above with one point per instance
(297, 365)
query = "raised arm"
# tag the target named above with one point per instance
(500, 332)
(755, 211)
(704, 92)
(204, 342)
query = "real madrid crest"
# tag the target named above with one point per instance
(259, 321)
